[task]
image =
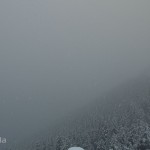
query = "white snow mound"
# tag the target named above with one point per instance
(75, 148)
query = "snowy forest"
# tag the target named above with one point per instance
(74, 73)
(118, 120)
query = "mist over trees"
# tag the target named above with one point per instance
(118, 120)
(61, 64)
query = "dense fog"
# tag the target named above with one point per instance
(57, 56)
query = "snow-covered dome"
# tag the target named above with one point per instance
(75, 148)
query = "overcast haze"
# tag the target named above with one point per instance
(57, 55)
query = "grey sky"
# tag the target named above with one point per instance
(57, 55)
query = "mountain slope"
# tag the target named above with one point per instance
(118, 120)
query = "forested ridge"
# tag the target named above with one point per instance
(117, 120)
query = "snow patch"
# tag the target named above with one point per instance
(75, 148)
